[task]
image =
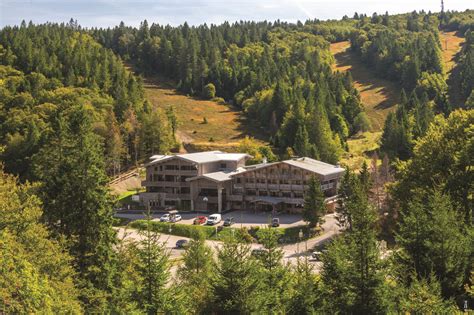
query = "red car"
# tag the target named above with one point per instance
(200, 220)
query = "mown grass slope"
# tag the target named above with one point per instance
(451, 45)
(378, 95)
(222, 129)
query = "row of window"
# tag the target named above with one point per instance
(252, 180)
(172, 167)
(169, 190)
(272, 193)
(167, 178)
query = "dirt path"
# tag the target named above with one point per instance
(379, 96)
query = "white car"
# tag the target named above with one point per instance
(176, 218)
(214, 219)
(165, 217)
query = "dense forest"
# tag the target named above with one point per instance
(73, 112)
(46, 72)
(277, 73)
(78, 266)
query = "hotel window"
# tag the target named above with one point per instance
(250, 192)
(188, 167)
(223, 165)
(286, 194)
(263, 193)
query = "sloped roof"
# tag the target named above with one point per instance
(202, 157)
(315, 166)
(305, 163)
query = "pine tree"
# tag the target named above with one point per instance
(434, 239)
(152, 266)
(77, 202)
(237, 285)
(275, 276)
(365, 178)
(314, 204)
(195, 274)
(351, 267)
(306, 297)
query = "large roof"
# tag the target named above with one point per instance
(315, 166)
(202, 157)
(305, 163)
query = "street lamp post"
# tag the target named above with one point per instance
(205, 199)
(300, 236)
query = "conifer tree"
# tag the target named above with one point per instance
(314, 204)
(274, 275)
(434, 239)
(152, 266)
(352, 268)
(237, 287)
(195, 274)
(77, 202)
(306, 297)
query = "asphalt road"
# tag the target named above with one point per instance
(291, 251)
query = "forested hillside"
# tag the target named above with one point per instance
(47, 72)
(73, 111)
(406, 49)
(277, 73)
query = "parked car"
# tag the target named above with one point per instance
(258, 252)
(176, 218)
(229, 221)
(165, 217)
(200, 220)
(275, 222)
(182, 243)
(214, 219)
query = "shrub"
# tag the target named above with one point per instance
(209, 91)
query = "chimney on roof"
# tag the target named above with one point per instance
(264, 160)
(338, 165)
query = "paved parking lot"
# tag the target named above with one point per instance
(241, 218)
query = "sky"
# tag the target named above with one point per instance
(104, 13)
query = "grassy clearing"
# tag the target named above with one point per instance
(224, 126)
(379, 96)
(451, 46)
(361, 149)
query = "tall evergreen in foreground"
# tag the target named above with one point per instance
(314, 204)
(352, 276)
(77, 202)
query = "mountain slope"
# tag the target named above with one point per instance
(379, 96)
(224, 126)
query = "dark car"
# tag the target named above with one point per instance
(258, 252)
(229, 221)
(275, 222)
(182, 243)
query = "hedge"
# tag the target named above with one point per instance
(288, 235)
